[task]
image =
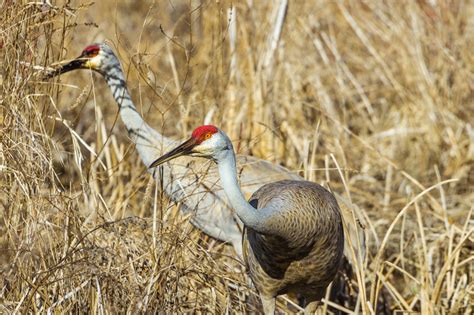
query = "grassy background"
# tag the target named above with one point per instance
(382, 88)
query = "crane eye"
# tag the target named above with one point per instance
(207, 136)
(91, 51)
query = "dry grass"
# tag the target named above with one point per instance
(382, 89)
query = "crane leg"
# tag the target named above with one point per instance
(311, 307)
(268, 304)
(237, 244)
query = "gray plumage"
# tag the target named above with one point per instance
(303, 248)
(294, 238)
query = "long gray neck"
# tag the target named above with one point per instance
(142, 135)
(228, 173)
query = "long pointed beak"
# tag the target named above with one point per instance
(185, 148)
(78, 63)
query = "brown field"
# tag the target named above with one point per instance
(372, 98)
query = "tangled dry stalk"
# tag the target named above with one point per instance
(374, 99)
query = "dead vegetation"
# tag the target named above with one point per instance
(372, 98)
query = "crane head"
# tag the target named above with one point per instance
(206, 141)
(98, 57)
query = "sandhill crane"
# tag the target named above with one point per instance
(294, 242)
(195, 180)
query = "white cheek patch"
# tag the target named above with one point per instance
(204, 149)
(94, 63)
(209, 147)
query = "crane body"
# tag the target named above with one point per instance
(293, 240)
(306, 260)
